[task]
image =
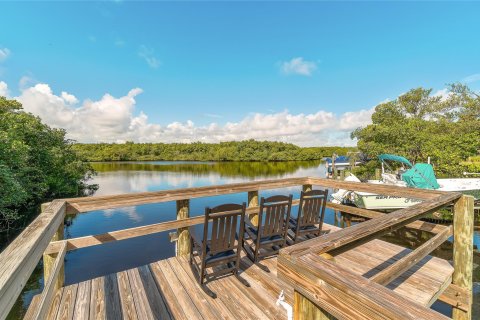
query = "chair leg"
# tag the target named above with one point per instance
(202, 273)
(236, 272)
(255, 257)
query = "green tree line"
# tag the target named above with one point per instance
(249, 150)
(419, 124)
(37, 163)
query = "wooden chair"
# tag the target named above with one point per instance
(311, 212)
(272, 228)
(222, 247)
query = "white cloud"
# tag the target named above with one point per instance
(298, 66)
(3, 89)
(444, 94)
(147, 54)
(351, 120)
(26, 81)
(69, 98)
(112, 119)
(4, 53)
(472, 78)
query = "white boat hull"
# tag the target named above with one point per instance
(372, 201)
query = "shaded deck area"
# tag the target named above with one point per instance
(168, 289)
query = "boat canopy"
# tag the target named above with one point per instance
(393, 157)
(339, 159)
(421, 176)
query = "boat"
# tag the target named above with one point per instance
(420, 175)
(339, 163)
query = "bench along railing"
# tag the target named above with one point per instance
(44, 236)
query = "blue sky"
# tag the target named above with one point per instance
(208, 69)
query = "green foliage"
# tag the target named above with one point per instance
(36, 163)
(418, 125)
(249, 150)
(472, 164)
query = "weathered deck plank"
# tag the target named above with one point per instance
(82, 302)
(126, 297)
(97, 299)
(67, 304)
(157, 305)
(169, 289)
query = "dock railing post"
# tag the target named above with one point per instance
(49, 259)
(307, 187)
(253, 202)
(304, 309)
(463, 250)
(183, 243)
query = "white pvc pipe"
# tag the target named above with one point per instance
(286, 306)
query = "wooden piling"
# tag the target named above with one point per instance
(348, 219)
(304, 309)
(378, 174)
(307, 187)
(183, 242)
(49, 259)
(253, 202)
(463, 220)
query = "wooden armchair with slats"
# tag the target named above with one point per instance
(271, 232)
(311, 213)
(220, 251)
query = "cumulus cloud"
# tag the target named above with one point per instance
(69, 98)
(298, 66)
(114, 119)
(148, 54)
(444, 94)
(3, 89)
(354, 119)
(472, 78)
(4, 53)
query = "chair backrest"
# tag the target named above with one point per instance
(311, 209)
(224, 219)
(274, 215)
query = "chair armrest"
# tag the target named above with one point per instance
(249, 223)
(251, 234)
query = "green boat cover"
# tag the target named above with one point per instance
(393, 157)
(421, 176)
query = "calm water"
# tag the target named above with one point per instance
(128, 177)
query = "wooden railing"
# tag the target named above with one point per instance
(44, 236)
(314, 277)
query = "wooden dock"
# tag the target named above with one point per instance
(169, 289)
(345, 273)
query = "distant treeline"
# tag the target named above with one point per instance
(249, 150)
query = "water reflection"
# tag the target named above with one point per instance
(223, 169)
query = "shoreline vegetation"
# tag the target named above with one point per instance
(245, 151)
